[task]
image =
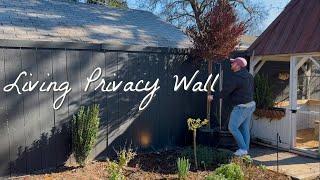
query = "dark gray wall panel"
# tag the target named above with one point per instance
(98, 60)
(15, 113)
(73, 74)
(163, 123)
(86, 68)
(31, 113)
(46, 112)
(38, 137)
(4, 139)
(60, 134)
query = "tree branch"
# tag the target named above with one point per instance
(177, 16)
(197, 13)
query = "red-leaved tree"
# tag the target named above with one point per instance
(216, 36)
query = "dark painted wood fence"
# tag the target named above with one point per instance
(34, 136)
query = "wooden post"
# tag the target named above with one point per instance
(251, 70)
(257, 69)
(308, 80)
(319, 140)
(254, 61)
(293, 99)
(315, 62)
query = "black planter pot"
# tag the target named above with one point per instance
(216, 138)
(208, 137)
(226, 140)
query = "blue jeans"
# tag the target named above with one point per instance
(239, 125)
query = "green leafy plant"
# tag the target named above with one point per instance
(247, 159)
(85, 125)
(115, 172)
(125, 156)
(193, 125)
(262, 167)
(214, 176)
(183, 167)
(263, 92)
(115, 169)
(230, 171)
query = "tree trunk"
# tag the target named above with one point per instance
(195, 148)
(220, 100)
(209, 93)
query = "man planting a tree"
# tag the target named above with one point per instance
(239, 86)
(215, 28)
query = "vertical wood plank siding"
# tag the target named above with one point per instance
(34, 136)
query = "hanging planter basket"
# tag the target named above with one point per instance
(270, 113)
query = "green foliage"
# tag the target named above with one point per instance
(263, 92)
(115, 172)
(115, 169)
(247, 159)
(230, 171)
(262, 167)
(209, 156)
(125, 156)
(183, 167)
(214, 176)
(111, 3)
(85, 126)
(194, 124)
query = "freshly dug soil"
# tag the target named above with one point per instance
(146, 166)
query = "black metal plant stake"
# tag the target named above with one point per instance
(278, 140)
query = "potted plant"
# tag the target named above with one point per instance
(215, 35)
(264, 100)
(193, 125)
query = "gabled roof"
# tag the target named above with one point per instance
(295, 30)
(245, 42)
(65, 21)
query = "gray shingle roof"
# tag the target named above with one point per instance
(44, 20)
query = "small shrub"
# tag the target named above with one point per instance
(115, 169)
(115, 172)
(262, 167)
(125, 156)
(230, 171)
(247, 159)
(214, 176)
(85, 125)
(183, 167)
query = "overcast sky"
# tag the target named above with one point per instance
(274, 7)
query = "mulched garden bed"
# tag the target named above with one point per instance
(150, 166)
